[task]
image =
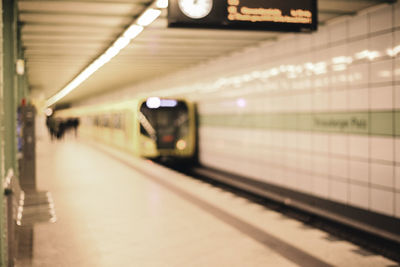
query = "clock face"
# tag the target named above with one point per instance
(196, 9)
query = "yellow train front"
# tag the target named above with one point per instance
(167, 128)
(151, 128)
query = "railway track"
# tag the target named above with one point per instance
(338, 231)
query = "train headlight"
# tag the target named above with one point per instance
(181, 144)
(48, 112)
(153, 102)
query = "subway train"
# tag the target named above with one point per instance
(154, 128)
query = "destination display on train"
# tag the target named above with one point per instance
(269, 15)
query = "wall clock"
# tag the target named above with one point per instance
(195, 9)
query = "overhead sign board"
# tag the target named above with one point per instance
(269, 15)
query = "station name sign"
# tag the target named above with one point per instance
(268, 15)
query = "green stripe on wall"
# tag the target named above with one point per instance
(378, 123)
(397, 122)
(382, 123)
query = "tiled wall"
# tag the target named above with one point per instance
(318, 113)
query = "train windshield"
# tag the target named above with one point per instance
(165, 124)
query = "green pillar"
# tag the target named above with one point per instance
(9, 105)
(10, 82)
(22, 91)
(2, 171)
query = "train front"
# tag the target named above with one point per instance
(168, 125)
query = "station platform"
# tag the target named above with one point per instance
(111, 209)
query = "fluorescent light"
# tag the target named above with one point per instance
(339, 67)
(121, 43)
(241, 103)
(162, 4)
(361, 55)
(342, 60)
(148, 17)
(393, 52)
(20, 67)
(320, 68)
(371, 55)
(133, 31)
(396, 50)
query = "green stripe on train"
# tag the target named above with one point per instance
(380, 123)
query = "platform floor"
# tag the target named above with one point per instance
(115, 210)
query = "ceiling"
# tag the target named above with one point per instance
(62, 37)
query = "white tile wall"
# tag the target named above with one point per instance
(359, 99)
(382, 174)
(359, 196)
(381, 43)
(292, 140)
(339, 167)
(396, 74)
(291, 181)
(382, 201)
(338, 51)
(338, 191)
(382, 148)
(397, 149)
(285, 141)
(381, 71)
(304, 102)
(317, 55)
(381, 19)
(397, 38)
(277, 138)
(305, 163)
(397, 212)
(304, 141)
(382, 98)
(321, 100)
(321, 143)
(358, 75)
(359, 146)
(397, 95)
(321, 186)
(338, 32)
(339, 100)
(364, 84)
(321, 165)
(304, 42)
(355, 47)
(292, 160)
(322, 82)
(397, 14)
(304, 182)
(339, 145)
(358, 26)
(359, 171)
(254, 170)
(287, 44)
(397, 178)
(321, 38)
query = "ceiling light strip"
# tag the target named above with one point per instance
(145, 19)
